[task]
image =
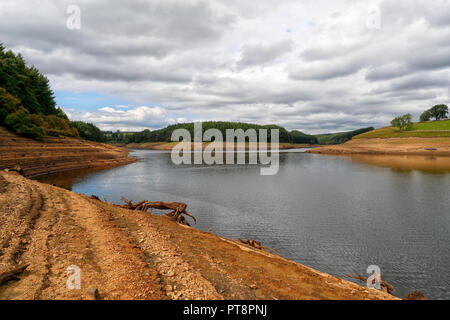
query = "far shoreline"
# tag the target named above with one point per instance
(438, 146)
(168, 146)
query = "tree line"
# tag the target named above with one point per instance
(27, 104)
(341, 137)
(165, 134)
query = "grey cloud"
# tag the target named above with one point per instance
(418, 81)
(388, 71)
(259, 54)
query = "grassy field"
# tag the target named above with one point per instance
(421, 129)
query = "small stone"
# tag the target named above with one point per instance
(93, 292)
(168, 288)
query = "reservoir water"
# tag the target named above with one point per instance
(336, 214)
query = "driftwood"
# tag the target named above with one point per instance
(416, 295)
(385, 287)
(17, 169)
(257, 245)
(12, 274)
(176, 213)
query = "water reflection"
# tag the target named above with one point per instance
(406, 163)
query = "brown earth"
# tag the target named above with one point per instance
(134, 255)
(390, 146)
(57, 154)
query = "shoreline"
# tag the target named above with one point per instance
(167, 146)
(134, 255)
(57, 154)
(439, 147)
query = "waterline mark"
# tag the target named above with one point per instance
(235, 148)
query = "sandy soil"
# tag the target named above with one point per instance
(57, 154)
(391, 146)
(134, 255)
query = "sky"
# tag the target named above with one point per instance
(315, 65)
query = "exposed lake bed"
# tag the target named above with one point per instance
(336, 214)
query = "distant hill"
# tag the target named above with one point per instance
(299, 137)
(165, 134)
(420, 129)
(340, 137)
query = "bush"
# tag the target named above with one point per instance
(55, 126)
(89, 131)
(24, 124)
(8, 104)
(403, 123)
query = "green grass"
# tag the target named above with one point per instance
(433, 125)
(420, 129)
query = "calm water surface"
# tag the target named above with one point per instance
(336, 214)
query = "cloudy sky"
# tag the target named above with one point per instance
(312, 65)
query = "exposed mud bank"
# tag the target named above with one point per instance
(391, 146)
(134, 255)
(57, 154)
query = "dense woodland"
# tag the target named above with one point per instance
(296, 137)
(341, 137)
(27, 104)
(166, 133)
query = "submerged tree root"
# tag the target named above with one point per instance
(257, 245)
(385, 287)
(12, 274)
(178, 209)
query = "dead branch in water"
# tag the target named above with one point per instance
(416, 295)
(257, 245)
(385, 287)
(178, 209)
(12, 274)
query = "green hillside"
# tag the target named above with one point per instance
(421, 129)
(340, 137)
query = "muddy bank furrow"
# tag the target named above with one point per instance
(57, 154)
(178, 279)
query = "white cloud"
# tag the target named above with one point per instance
(108, 118)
